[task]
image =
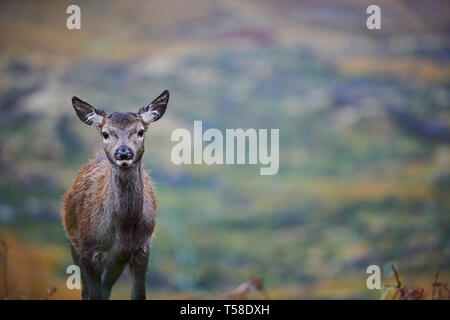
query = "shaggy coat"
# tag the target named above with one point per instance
(109, 213)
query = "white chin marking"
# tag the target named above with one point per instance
(124, 163)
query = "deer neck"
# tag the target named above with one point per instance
(125, 192)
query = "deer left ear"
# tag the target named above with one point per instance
(87, 113)
(155, 110)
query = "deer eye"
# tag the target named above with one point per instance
(105, 135)
(140, 133)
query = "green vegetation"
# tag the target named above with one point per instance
(364, 151)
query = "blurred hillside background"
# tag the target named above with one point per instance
(364, 139)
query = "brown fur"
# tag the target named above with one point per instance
(87, 196)
(109, 213)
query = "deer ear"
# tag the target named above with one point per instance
(87, 113)
(155, 110)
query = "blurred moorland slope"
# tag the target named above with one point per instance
(364, 139)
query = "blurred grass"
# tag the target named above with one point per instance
(354, 188)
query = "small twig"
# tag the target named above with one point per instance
(438, 288)
(5, 266)
(405, 293)
(259, 285)
(50, 292)
(435, 284)
(414, 294)
(448, 291)
(242, 291)
(399, 284)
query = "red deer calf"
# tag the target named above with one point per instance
(109, 212)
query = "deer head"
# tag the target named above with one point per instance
(122, 132)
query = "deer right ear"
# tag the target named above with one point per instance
(155, 110)
(87, 113)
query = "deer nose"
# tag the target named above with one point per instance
(123, 153)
